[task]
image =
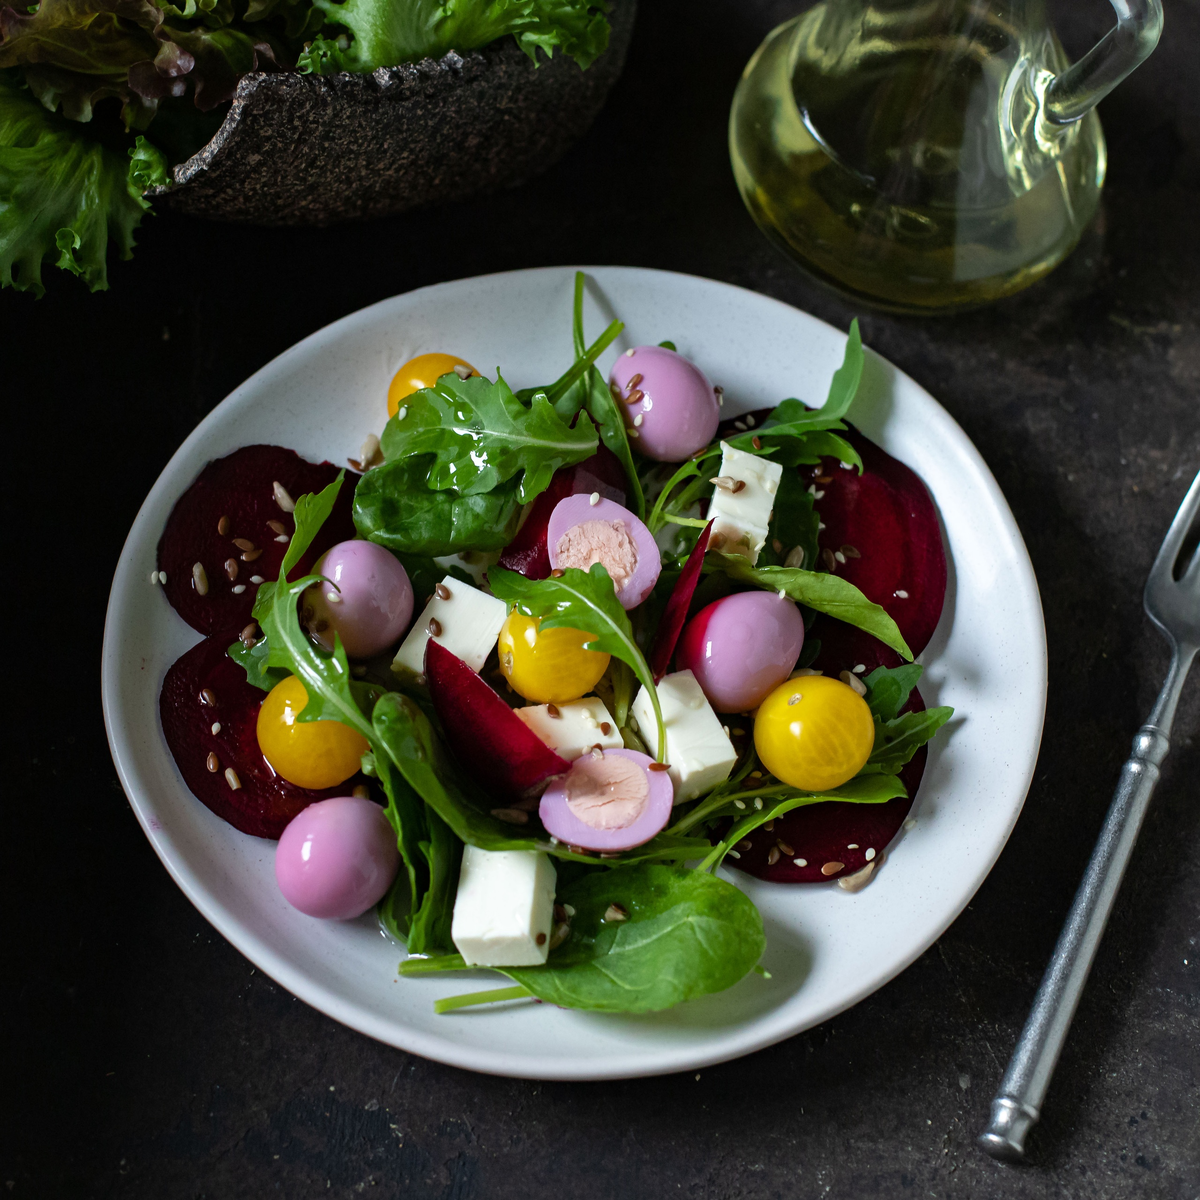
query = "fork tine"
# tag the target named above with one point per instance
(1164, 564)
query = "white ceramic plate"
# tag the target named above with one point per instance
(826, 948)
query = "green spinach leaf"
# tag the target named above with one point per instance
(480, 436)
(588, 601)
(794, 523)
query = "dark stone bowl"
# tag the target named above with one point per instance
(311, 150)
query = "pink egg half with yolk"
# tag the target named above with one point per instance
(741, 648)
(585, 530)
(610, 801)
(674, 407)
(368, 600)
(337, 858)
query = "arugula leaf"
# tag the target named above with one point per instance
(897, 740)
(687, 934)
(253, 660)
(481, 435)
(888, 689)
(394, 507)
(63, 196)
(604, 411)
(827, 593)
(588, 601)
(387, 33)
(862, 789)
(311, 513)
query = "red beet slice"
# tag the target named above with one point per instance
(675, 614)
(265, 802)
(824, 833)
(491, 742)
(528, 553)
(240, 489)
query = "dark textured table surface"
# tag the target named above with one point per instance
(144, 1057)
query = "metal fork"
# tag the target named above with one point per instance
(1174, 606)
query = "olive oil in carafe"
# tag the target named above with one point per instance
(908, 161)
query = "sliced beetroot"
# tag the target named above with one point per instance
(675, 615)
(595, 807)
(490, 742)
(824, 833)
(239, 490)
(603, 473)
(886, 515)
(265, 802)
(884, 524)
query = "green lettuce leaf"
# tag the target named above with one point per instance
(583, 600)
(480, 435)
(63, 196)
(387, 33)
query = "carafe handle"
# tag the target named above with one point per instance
(1123, 48)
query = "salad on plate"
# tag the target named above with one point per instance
(525, 678)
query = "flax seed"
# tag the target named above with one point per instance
(605, 728)
(772, 856)
(657, 766)
(511, 816)
(243, 543)
(756, 442)
(442, 592)
(635, 397)
(786, 849)
(635, 381)
(207, 696)
(223, 526)
(251, 555)
(434, 628)
(552, 710)
(832, 868)
(249, 634)
(828, 559)
(213, 763)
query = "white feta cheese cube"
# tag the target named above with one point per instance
(741, 518)
(578, 727)
(699, 754)
(504, 907)
(469, 621)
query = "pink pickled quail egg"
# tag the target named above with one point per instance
(337, 858)
(368, 600)
(741, 648)
(587, 529)
(608, 801)
(674, 406)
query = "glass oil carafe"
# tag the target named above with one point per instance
(928, 155)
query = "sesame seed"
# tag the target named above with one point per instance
(837, 554)
(402, 413)
(860, 668)
(283, 537)
(820, 526)
(200, 579)
(846, 466)
(420, 680)
(870, 854)
(633, 433)
(216, 728)
(463, 371)
(282, 498)
(154, 577)
(615, 388)
(732, 854)
(819, 494)
(910, 823)
(739, 804)
(213, 763)
(852, 846)
(223, 526)
(231, 778)
(740, 426)
(333, 598)
(758, 802)
(162, 578)
(207, 696)
(591, 722)
(597, 751)
(638, 420)
(628, 353)
(800, 862)
(594, 499)
(434, 628)
(783, 593)
(795, 699)
(369, 452)
(832, 868)
(900, 594)
(361, 791)
(238, 589)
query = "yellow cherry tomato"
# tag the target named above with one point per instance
(421, 372)
(310, 754)
(547, 666)
(814, 733)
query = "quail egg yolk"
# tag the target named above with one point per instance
(422, 372)
(310, 754)
(548, 666)
(814, 733)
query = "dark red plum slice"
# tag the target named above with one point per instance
(887, 517)
(675, 616)
(824, 833)
(528, 552)
(237, 494)
(488, 740)
(265, 802)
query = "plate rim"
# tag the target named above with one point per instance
(439, 1048)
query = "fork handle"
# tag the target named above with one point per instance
(1017, 1105)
